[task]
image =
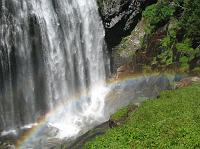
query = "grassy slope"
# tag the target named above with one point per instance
(172, 121)
(121, 112)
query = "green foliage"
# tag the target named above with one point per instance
(191, 20)
(173, 27)
(184, 64)
(166, 42)
(182, 40)
(142, 42)
(185, 47)
(196, 71)
(165, 55)
(157, 14)
(172, 121)
(120, 113)
(187, 53)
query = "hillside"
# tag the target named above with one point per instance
(170, 121)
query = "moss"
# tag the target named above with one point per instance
(172, 121)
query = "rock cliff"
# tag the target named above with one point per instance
(120, 17)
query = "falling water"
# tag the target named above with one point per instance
(50, 51)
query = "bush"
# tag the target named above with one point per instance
(186, 52)
(182, 41)
(191, 21)
(157, 14)
(196, 71)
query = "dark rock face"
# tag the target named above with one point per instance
(120, 17)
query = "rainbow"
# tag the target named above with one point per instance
(27, 137)
(40, 125)
(44, 121)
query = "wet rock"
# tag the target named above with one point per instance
(11, 146)
(124, 70)
(80, 141)
(124, 53)
(136, 90)
(187, 81)
(7, 145)
(51, 131)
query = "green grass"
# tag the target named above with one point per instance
(170, 122)
(121, 113)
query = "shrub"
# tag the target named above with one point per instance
(190, 21)
(196, 71)
(157, 14)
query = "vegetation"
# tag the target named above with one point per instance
(190, 21)
(100, 4)
(171, 121)
(121, 113)
(196, 71)
(175, 26)
(157, 14)
(127, 47)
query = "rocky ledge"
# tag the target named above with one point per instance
(120, 17)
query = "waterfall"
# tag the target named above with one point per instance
(50, 52)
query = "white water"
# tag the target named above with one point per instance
(51, 52)
(79, 116)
